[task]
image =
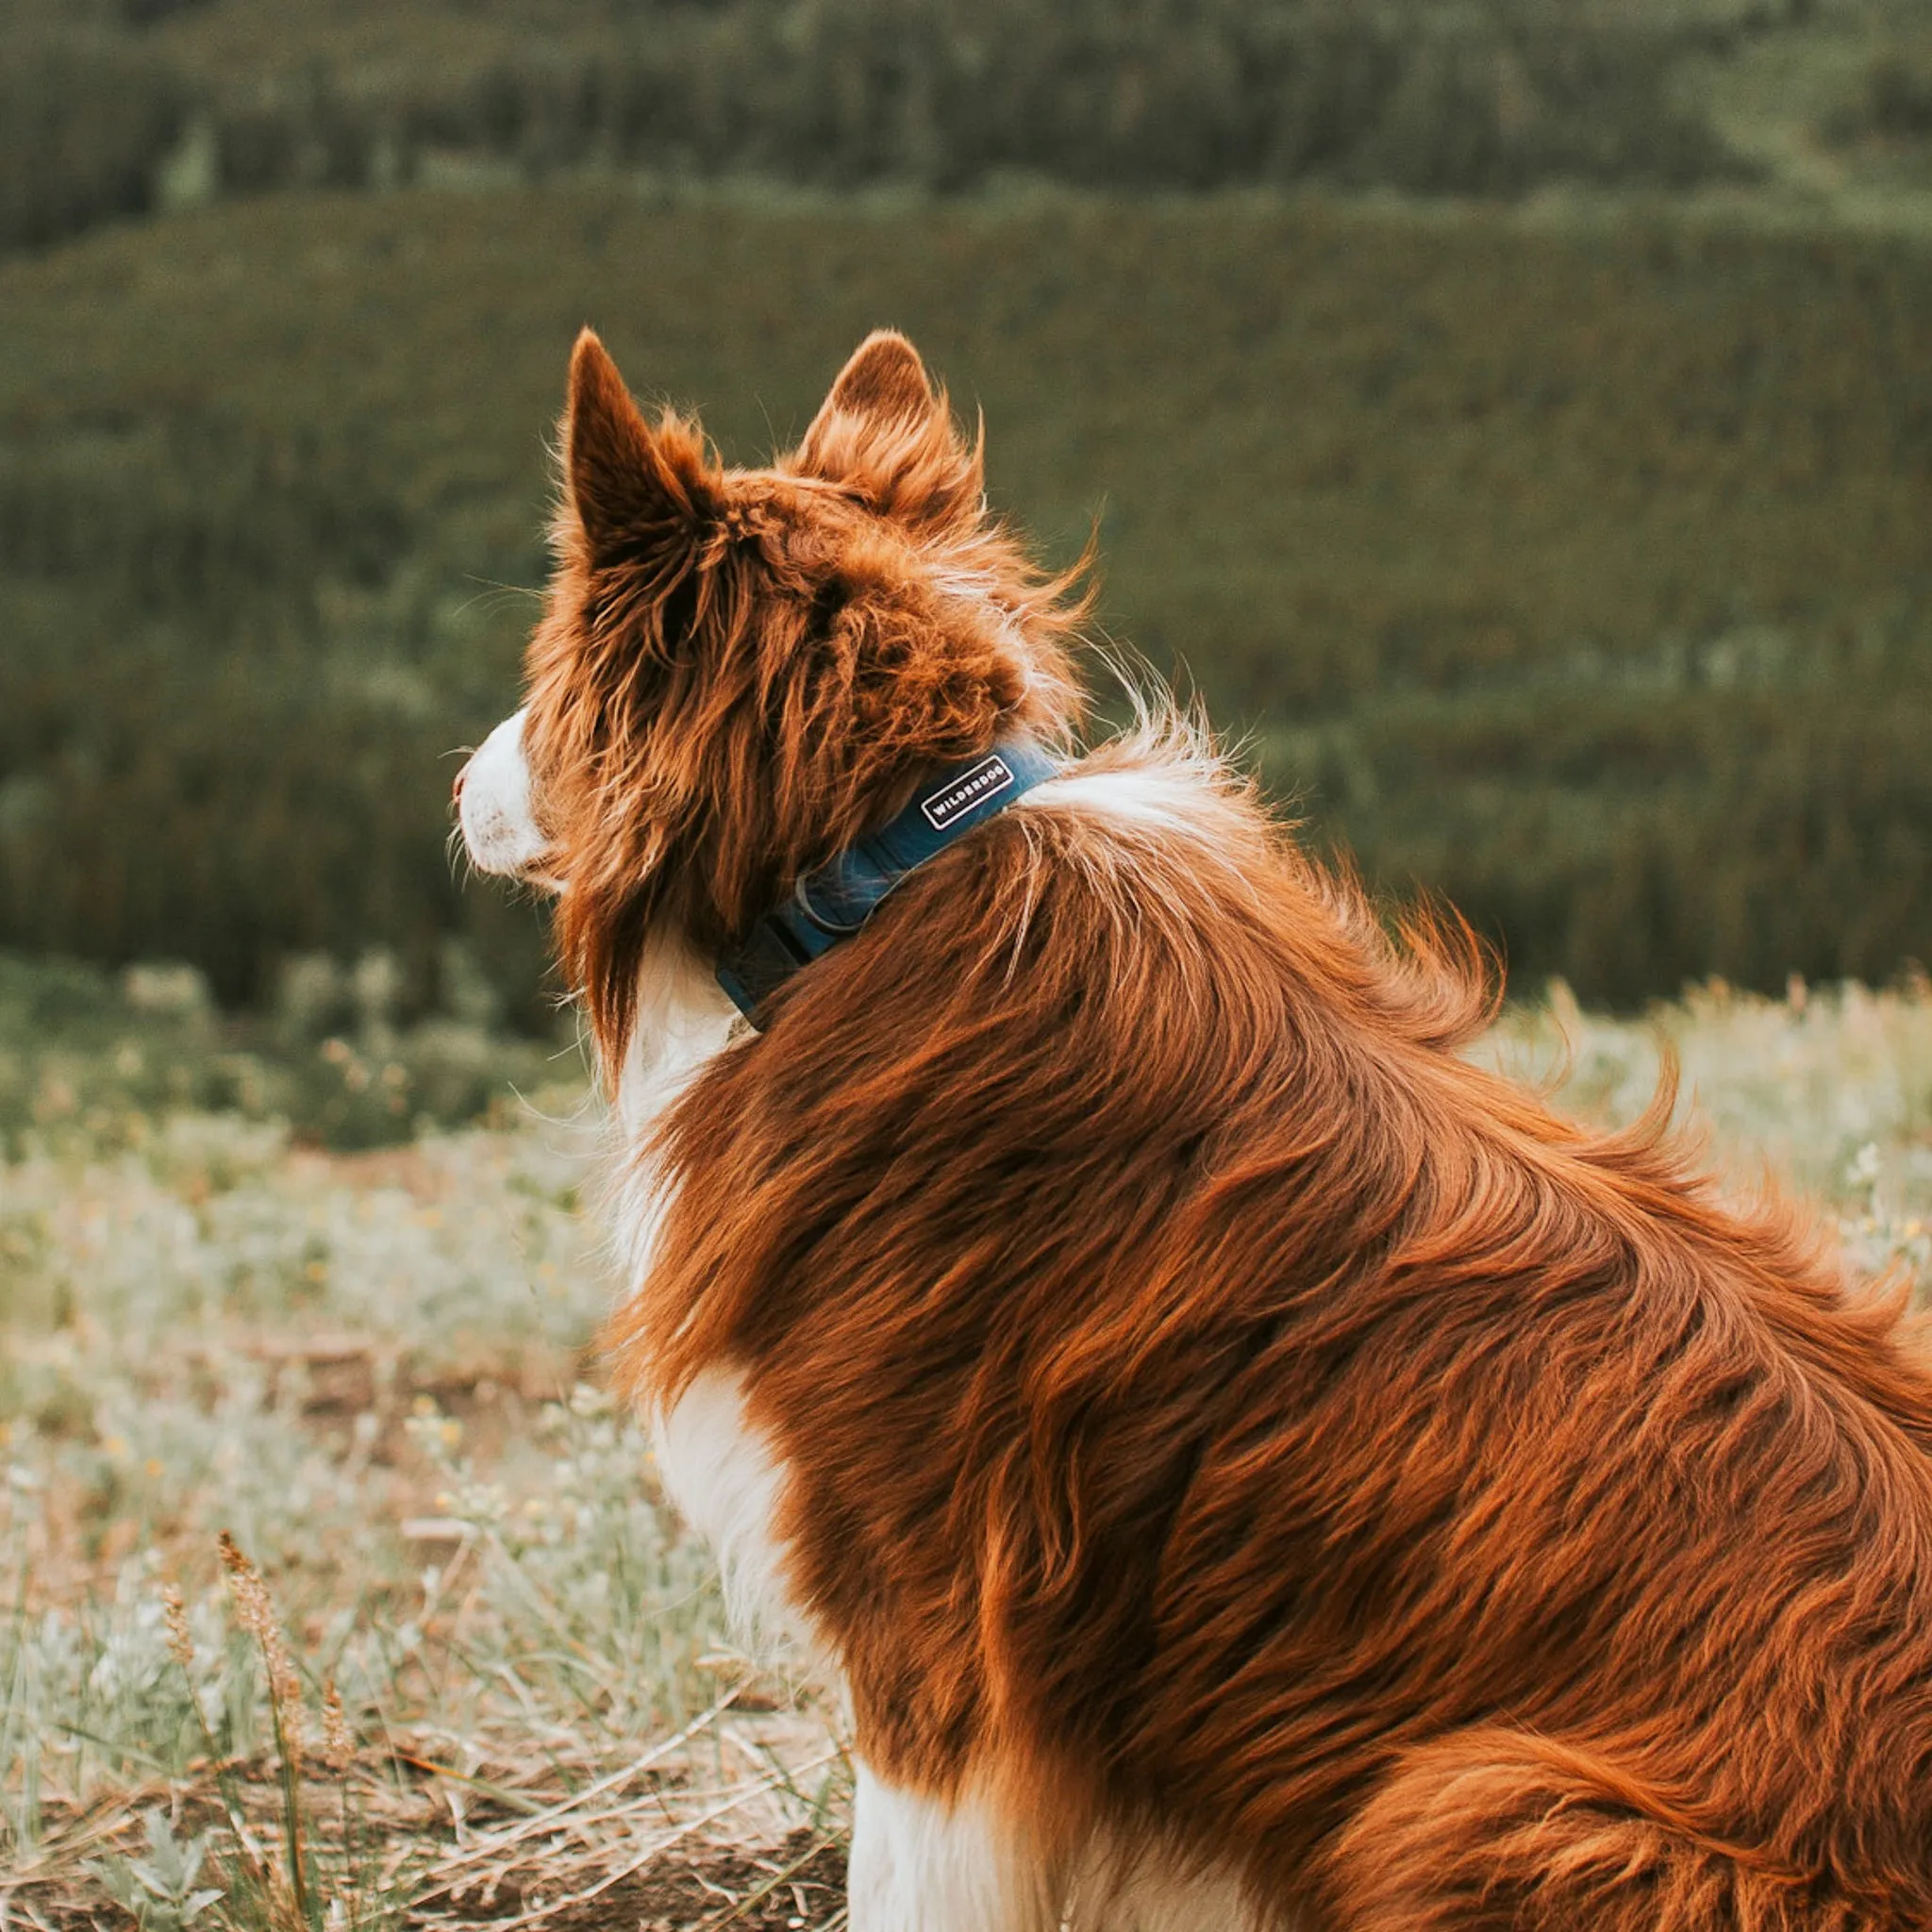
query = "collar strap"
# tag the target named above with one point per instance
(834, 902)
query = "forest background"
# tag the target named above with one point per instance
(1515, 418)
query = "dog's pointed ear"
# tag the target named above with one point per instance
(883, 378)
(885, 430)
(632, 486)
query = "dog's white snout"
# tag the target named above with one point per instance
(493, 808)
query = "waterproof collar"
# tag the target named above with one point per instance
(834, 902)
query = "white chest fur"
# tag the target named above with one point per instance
(717, 1468)
(683, 1020)
(720, 1472)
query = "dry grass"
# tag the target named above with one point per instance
(463, 1668)
(366, 1370)
(705, 1829)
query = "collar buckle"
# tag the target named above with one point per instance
(833, 903)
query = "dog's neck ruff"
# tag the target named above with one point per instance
(834, 902)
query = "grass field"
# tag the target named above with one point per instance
(372, 1371)
(375, 1370)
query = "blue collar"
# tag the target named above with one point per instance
(834, 902)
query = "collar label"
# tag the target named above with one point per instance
(987, 779)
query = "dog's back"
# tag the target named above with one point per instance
(1215, 1415)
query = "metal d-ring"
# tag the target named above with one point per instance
(818, 918)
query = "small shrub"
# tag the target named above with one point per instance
(1898, 92)
(84, 130)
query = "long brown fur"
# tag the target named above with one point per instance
(1216, 1414)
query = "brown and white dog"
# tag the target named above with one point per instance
(1246, 1466)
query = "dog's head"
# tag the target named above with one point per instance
(739, 671)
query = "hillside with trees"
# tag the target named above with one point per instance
(1518, 426)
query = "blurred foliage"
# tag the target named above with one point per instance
(1897, 103)
(97, 1060)
(1571, 558)
(113, 105)
(84, 132)
(1582, 575)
